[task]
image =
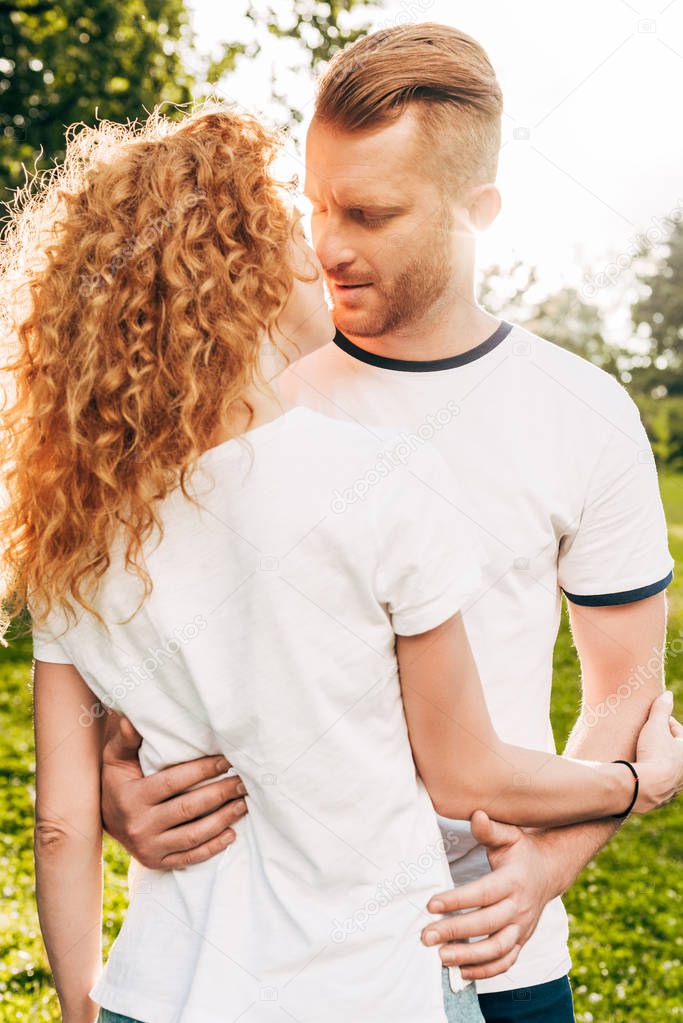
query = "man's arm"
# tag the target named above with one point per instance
(621, 653)
(160, 819)
(621, 650)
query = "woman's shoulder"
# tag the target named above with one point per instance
(343, 433)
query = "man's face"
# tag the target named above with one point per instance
(380, 225)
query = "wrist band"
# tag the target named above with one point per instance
(621, 816)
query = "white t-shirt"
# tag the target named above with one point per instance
(270, 637)
(558, 484)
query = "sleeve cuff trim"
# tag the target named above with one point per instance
(624, 597)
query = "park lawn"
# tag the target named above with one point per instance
(625, 911)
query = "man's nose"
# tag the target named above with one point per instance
(332, 247)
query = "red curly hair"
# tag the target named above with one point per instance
(137, 282)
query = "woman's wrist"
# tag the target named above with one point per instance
(636, 785)
(82, 1010)
(621, 784)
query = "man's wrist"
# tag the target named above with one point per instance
(555, 871)
(567, 850)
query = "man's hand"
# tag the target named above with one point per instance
(162, 824)
(511, 899)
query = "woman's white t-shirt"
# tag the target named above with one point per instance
(270, 637)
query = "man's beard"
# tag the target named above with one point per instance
(414, 292)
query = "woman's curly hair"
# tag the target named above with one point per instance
(137, 283)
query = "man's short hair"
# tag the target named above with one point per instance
(443, 74)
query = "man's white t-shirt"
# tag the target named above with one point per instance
(556, 481)
(270, 637)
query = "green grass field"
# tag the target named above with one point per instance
(627, 939)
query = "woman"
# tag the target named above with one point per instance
(169, 526)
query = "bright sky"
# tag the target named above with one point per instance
(592, 142)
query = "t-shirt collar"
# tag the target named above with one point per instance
(425, 365)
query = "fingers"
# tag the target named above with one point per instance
(471, 925)
(676, 728)
(171, 781)
(660, 711)
(479, 953)
(492, 969)
(197, 833)
(483, 892)
(196, 803)
(122, 739)
(492, 833)
(178, 861)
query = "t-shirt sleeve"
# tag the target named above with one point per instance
(428, 559)
(617, 550)
(48, 639)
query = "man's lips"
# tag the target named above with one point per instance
(349, 283)
(350, 295)
(349, 287)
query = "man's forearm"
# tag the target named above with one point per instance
(572, 847)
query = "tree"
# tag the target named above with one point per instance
(68, 61)
(658, 315)
(561, 316)
(323, 28)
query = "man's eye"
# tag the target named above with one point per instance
(368, 219)
(376, 221)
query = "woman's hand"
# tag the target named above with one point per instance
(659, 756)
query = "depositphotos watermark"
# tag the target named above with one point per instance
(640, 675)
(136, 674)
(393, 457)
(131, 248)
(659, 232)
(389, 889)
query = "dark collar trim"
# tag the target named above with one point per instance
(427, 365)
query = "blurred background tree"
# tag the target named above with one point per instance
(656, 378)
(321, 29)
(659, 315)
(69, 61)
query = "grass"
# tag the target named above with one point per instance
(625, 911)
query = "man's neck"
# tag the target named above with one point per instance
(440, 337)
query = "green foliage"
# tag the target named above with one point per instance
(660, 313)
(320, 29)
(663, 419)
(65, 60)
(323, 28)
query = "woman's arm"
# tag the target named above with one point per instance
(466, 767)
(68, 834)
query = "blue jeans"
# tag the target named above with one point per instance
(462, 1007)
(106, 1016)
(540, 1003)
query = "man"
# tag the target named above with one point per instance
(557, 482)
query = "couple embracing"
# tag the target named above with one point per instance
(357, 527)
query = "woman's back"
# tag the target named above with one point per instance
(269, 637)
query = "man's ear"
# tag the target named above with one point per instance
(484, 206)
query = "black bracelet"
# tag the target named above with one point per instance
(620, 816)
